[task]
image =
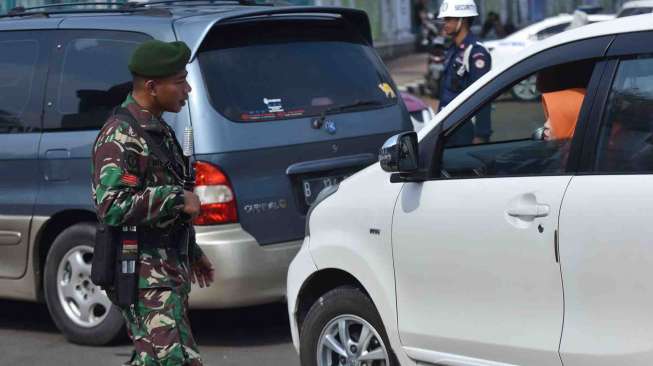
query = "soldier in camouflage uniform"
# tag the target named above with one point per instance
(132, 187)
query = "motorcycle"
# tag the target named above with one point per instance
(435, 44)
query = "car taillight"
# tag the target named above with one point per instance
(216, 195)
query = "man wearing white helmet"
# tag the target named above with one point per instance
(466, 61)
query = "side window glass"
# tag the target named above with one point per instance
(626, 142)
(94, 79)
(510, 136)
(19, 79)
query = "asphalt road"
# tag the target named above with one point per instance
(249, 336)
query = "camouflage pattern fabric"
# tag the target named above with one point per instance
(158, 325)
(130, 186)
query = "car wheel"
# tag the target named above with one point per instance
(526, 90)
(81, 310)
(343, 328)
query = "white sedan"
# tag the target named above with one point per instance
(504, 50)
(528, 249)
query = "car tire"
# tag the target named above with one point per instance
(351, 307)
(81, 310)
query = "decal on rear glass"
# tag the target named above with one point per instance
(274, 105)
(387, 90)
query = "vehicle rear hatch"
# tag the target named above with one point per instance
(293, 102)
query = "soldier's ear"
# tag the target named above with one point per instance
(150, 86)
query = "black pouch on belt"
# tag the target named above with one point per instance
(103, 268)
(127, 277)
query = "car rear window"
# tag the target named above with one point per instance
(273, 70)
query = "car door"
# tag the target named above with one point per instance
(605, 222)
(23, 68)
(475, 258)
(79, 99)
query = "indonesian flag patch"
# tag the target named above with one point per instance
(129, 180)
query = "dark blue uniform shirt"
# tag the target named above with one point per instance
(456, 78)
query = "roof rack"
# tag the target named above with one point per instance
(44, 10)
(124, 7)
(165, 2)
(204, 2)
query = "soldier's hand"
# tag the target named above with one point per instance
(191, 204)
(202, 272)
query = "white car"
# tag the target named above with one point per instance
(504, 50)
(635, 8)
(517, 251)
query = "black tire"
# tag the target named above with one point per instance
(106, 331)
(335, 303)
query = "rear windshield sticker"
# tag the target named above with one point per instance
(387, 90)
(274, 105)
(255, 116)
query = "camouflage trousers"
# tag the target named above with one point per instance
(158, 324)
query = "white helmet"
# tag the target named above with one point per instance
(458, 9)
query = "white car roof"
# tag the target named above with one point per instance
(635, 23)
(534, 28)
(637, 4)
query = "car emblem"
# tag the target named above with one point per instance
(330, 127)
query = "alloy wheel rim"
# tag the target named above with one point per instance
(349, 340)
(527, 89)
(83, 302)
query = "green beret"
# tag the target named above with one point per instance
(157, 59)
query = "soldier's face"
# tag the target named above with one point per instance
(171, 93)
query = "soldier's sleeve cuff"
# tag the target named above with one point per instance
(178, 201)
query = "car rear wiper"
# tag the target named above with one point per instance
(346, 107)
(356, 104)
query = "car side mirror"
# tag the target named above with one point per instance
(399, 154)
(538, 134)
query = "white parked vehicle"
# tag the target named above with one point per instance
(525, 250)
(635, 8)
(504, 50)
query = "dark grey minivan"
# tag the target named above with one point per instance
(285, 101)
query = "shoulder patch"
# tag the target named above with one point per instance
(129, 180)
(479, 63)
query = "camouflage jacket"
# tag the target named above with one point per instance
(129, 184)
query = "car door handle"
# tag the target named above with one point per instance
(529, 210)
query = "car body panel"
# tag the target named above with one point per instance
(360, 242)
(303, 267)
(481, 274)
(607, 262)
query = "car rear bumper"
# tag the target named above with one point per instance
(246, 273)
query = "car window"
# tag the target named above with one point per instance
(626, 142)
(550, 31)
(268, 71)
(19, 80)
(94, 79)
(511, 137)
(634, 11)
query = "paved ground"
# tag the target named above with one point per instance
(251, 336)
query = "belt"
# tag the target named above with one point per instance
(160, 238)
